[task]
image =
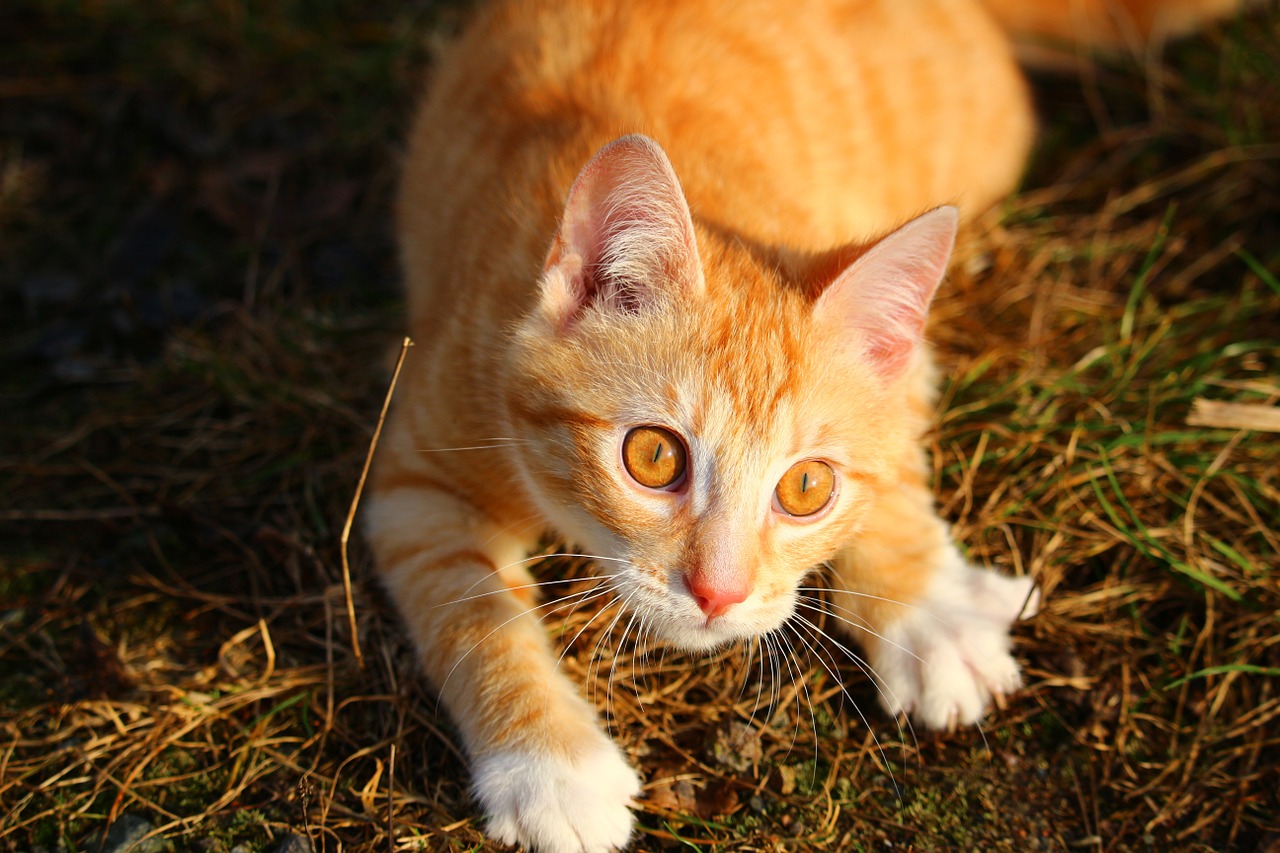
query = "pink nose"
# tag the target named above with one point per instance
(716, 595)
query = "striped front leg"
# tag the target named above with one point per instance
(545, 774)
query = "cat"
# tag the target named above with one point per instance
(668, 264)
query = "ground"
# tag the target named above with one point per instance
(198, 317)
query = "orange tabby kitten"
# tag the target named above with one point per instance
(655, 314)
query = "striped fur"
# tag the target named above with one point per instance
(669, 213)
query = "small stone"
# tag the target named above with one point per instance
(295, 844)
(50, 289)
(210, 845)
(126, 835)
(736, 746)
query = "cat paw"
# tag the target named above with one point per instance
(554, 805)
(949, 658)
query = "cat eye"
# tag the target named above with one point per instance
(806, 487)
(654, 457)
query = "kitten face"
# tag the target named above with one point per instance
(691, 417)
(710, 455)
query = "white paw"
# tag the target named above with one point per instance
(554, 805)
(949, 657)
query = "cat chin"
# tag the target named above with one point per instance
(697, 635)
(702, 641)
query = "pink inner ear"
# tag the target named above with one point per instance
(626, 239)
(880, 301)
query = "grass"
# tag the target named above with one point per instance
(199, 319)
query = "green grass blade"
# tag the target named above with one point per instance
(1248, 668)
(1140, 538)
(1259, 270)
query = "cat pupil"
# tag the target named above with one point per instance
(657, 452)
(804, 482)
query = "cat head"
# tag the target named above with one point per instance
(713, 423)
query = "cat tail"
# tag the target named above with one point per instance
(1060, 34)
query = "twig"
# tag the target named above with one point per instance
(1222, 415)
(391, 800)
(355, 503)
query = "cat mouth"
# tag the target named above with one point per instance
(700, 633)
(706, 637)
(672, 624)
(676, 618)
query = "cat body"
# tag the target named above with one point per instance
(657, 315)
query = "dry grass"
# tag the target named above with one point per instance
(185, 420)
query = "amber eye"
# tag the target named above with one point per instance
(806, 487)
(654, 456)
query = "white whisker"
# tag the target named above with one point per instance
(757, 645)
(512, 589)
(864, 627)
(613, 669)
(797, 682)
(748, 652)
(880, 598)
(485, 444)
(828, 663)
(634, 652)
(555, 604)
(775, 689)
(597, 657)
(882, 687)
(808, 697)
(608, 590)
(539, 557)
(646, 650)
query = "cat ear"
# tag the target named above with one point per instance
(879, 302)
(626, 239)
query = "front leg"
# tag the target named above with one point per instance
(545, 774)
(935, 628)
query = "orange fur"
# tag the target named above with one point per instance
(1052, 34)
(725, 277)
